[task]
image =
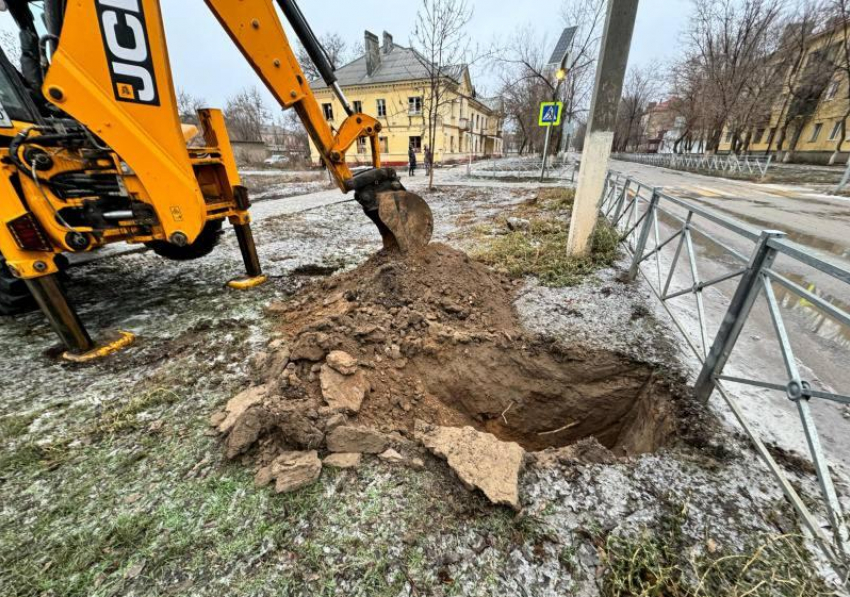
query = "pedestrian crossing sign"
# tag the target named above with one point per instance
(550, 113)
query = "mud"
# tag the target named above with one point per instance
(434, 337)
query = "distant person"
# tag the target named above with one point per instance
(429, 160)
(411, 156)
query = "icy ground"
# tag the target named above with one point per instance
(112, 484)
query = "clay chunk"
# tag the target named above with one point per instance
(480, 460)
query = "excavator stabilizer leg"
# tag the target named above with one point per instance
(247, 246)
(66, 323)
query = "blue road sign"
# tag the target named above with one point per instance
(550, 113)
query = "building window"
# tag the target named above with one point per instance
(361, 145)
(416, 144)
(414, 105)
(358, 107)
(382, 108)
(759, 136)
(384, 144)
(836, 130)
(832, 90)
(816, 132)
(729, 137)
(451, 144)
(328, 109)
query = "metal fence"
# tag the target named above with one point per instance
(560, 168)
(730, 163)
(660, 232)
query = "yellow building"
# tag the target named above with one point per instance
(814, 133)
(391, 83)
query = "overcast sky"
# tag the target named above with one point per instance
(206, 63)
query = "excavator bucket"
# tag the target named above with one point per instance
(407, 221)
(403, 218)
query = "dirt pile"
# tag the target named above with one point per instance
(432, 338)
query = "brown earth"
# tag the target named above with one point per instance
(433, 337)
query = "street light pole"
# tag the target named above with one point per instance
(560, 75)
(613, 59)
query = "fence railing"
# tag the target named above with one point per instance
(659, 230)
(729, 163)
(559, 168)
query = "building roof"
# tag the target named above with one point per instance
(397, 65)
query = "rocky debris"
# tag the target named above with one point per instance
(391, 456)
(343, 460)
(299, 427)
(586, 451)
(310, 347)
(247, 430)
(342, 362)
(343, 392)
(290, 471)
(480, 460)
(516, 224)
(237, 406)
(347, 438)
(335, 421)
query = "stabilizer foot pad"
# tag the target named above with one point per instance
(248, 283)
(124, 340)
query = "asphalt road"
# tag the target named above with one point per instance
(808, 216)
(821, 345)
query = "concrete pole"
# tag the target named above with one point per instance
(611, 70)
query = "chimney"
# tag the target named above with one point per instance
(388, 43)
(373, 53)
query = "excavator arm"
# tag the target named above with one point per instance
(404, 219)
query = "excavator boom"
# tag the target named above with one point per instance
(403, 218)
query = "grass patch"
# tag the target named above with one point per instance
(123, 417)
(539, 249)
(658, 561)
(15, 425)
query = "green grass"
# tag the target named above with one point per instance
(540, 250)
(659, 562)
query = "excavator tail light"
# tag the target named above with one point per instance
(28, 234)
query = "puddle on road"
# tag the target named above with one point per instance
(810, 316)
(836, 249)
(815, 320)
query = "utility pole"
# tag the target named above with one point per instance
(611, 71)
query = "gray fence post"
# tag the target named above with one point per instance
(736, 316)
(644, 233)
(621, 201)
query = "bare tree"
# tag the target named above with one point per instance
(840, 16)
(444, 51)
(246, 114)
(641, 86)
(687, 83)
(188, 106)
(527, 78)
(728, 41)
(801, 81)
(524, 85)
(338, 50)
(588, 17)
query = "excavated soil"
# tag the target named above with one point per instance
(435, 339)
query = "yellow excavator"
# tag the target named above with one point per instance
(92, 150)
